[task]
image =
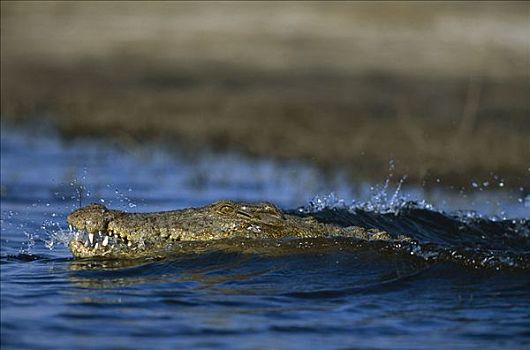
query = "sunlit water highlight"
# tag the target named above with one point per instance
(464, 283)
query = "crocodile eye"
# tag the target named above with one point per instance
(225, 209)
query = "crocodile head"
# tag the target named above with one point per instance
(102, 232)
(92, 237)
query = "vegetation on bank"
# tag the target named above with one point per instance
(342, 86)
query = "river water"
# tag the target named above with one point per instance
(463, 283)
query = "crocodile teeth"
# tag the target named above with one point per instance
(91, 238)
(96, 246)
(129, 244)
(70, 227)
(105, 241)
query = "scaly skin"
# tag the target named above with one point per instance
(117, 234)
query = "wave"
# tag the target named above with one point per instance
(465, 237)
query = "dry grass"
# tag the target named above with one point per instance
(440, 89)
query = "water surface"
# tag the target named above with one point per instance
(463, 283)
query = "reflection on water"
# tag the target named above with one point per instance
(463, 281)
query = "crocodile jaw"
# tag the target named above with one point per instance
(79, 250)
(108, 246)
(101, 244)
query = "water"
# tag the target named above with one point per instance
(463, 283)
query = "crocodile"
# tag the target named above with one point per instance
(109, 233)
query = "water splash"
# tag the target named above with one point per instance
(29, 243)
(382, 200)
(59, 237)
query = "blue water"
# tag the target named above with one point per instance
(464, 283)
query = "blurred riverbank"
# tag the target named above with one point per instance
(440, 89)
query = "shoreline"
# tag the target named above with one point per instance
(465, 184)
